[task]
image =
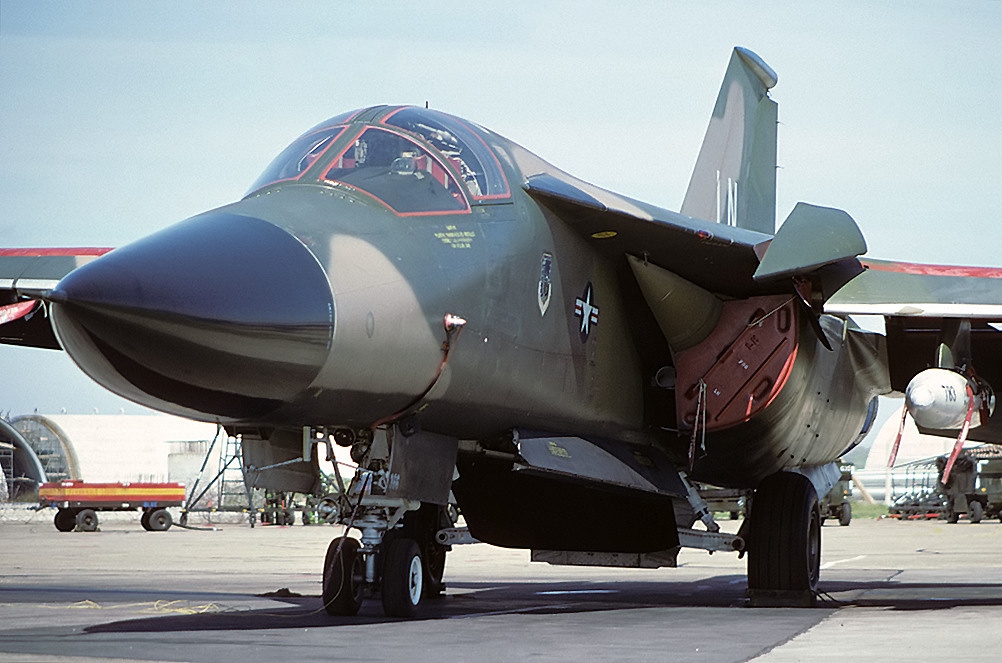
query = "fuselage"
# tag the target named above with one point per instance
(323, 298)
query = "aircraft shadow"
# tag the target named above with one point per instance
(479, 599)
(471, 600)
(912, 595)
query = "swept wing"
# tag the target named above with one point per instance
(25, 275)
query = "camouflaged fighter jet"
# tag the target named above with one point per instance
(486, 331)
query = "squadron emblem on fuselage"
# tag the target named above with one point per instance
(543, 291)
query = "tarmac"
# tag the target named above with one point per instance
(892, 591)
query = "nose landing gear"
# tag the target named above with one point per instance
(404, 566)
(397, 556)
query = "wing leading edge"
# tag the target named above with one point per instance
(26, 275)
(899, 289)
(727, 260)
(719, 258)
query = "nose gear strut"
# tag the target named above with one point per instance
(397, 555)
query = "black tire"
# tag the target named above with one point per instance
(784, 550)
(159, 520)
(344, 577)
(290, 517)
(846, 516)
(434, 570)
(86, 520)
(65, 520)
(975, 512)
(422, 526)
(144, 519)
(403, 578)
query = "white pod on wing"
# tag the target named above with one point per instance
(938, 398)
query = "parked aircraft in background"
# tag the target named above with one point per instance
(559, 361)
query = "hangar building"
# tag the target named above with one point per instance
(104, 448)
(20, 468)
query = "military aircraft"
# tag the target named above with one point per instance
(484, 330)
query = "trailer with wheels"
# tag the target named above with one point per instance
(77, 503)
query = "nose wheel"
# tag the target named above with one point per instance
(344, 577)
(403, 565)
(403, 578)
(400, 575)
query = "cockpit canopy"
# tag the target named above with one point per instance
(412, 160)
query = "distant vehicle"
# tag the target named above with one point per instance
(78, 502)
(974, 488)
(836, 504)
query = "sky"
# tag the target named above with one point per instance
(119, 118)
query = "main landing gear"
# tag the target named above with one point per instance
(784, 542)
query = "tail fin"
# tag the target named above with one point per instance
(734, 181)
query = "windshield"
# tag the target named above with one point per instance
(398, 172)
(296, 158)
(304, 151)
(475, 162)
(453, 166)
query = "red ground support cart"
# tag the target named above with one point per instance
(78, 502)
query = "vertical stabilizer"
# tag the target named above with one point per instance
(734, 181)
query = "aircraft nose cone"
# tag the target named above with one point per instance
(222, 314)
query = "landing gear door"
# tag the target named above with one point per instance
(421, 466)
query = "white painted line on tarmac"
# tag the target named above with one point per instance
(842, 561)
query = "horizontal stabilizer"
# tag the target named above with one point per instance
(811, 237)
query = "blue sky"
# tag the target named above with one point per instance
(118, 118)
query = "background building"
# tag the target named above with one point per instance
(20, 468)
(101, 448)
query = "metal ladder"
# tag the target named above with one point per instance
(232, 492)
